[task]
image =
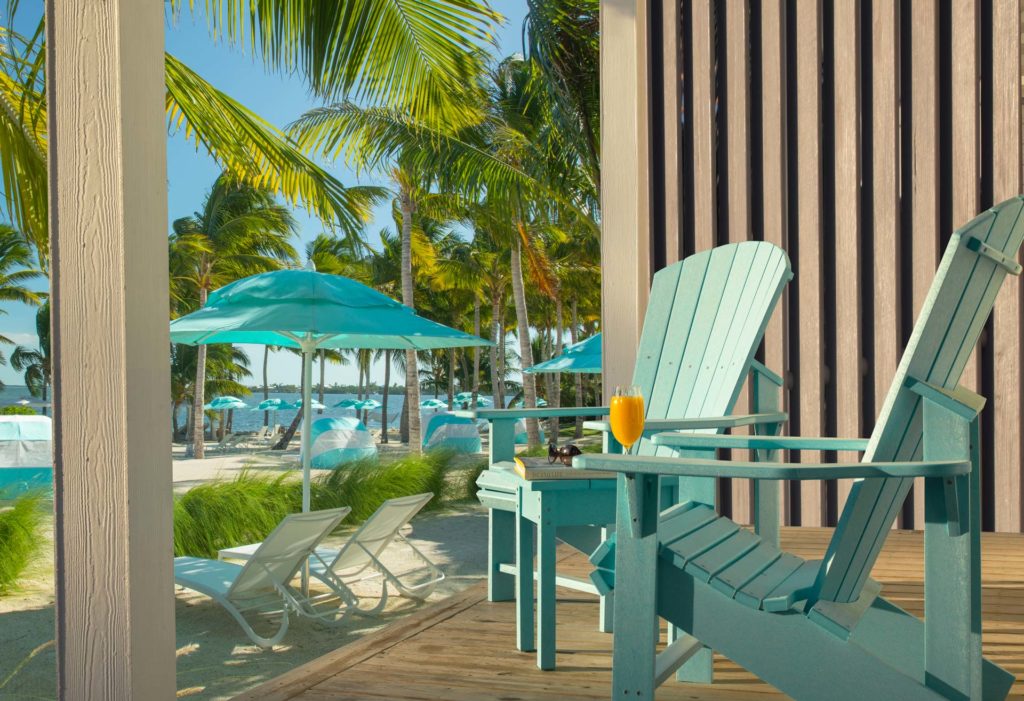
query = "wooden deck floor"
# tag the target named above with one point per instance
(463, 649)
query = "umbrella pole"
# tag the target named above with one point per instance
(307, 438)
(307, 433)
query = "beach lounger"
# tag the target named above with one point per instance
(341, 568)
(263, 583)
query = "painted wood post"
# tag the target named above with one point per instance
(500, 550)
(952, 621)
(108, 209)
(636, 565)
(767, 519)
(524, 584)
(501, 446)
(546, 530)
(502, 524)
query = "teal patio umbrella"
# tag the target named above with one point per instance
(308, 310)
(584, 356)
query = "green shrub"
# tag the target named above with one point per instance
(234, 512)
(20, 537)
(17, 410)
(244, 510)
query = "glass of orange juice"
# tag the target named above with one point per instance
(627, 415)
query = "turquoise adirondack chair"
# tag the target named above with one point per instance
(820, 630)
(705, 319)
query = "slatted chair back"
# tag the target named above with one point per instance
(977, 259)
(279, 557)
(705, 319)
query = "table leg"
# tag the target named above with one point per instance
(501, 550)
(546, 584)
(524, 584)
(607, 605)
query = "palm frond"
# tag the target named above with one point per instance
(258, 153)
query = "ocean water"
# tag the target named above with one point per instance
(12, 394)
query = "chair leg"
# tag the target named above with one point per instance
(524, 584)
(501, 550)
(636, 562)
(546, 545)
(265, 643)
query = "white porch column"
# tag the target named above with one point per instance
(108, 224)
(625, 187)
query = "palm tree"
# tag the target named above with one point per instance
(17, 269)
(225, 367)
(35, 362)
(341, 48)
(240, 231)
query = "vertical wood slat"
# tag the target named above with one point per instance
(885, 195)
(108, 201)
(965, 134)
(1006, 317)
(810, 382)
(704, 205)
(847, 376)
(671, 127)
(774, 168)
(924, 130)
(625, 191)
(943, 139)
(737, 103)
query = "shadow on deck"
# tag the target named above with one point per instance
(463, 649)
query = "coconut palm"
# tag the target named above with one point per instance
(240, 231)
(17, 269)
(346, 48)
(35, 362)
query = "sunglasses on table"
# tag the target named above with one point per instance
(565, 454)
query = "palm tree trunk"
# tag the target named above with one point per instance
(525, 351)
(412, 379)
(577, 376)
(266, 389)
(174, 420)
(501, 355)
(555, 400)
(493, 352)
(294, 425)
(451, 379)
(384, 398)
(403, 422)
(198, 446)
(320, 392)
(476, 349)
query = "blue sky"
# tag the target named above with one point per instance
(279, 99)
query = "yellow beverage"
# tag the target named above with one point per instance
(627, 419)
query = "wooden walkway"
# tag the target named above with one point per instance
(463, 649)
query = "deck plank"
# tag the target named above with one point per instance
(465, 646)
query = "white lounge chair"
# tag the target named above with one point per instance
(361, 552)
(263, 583)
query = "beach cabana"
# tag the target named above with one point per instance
(26, 454)
(452, 432)
(309, 310)
(338, 440)
(584, 356)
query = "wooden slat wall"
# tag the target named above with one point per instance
(856, 135)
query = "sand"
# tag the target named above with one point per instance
(215, 659)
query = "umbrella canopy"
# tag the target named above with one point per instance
(310, 310)
(313, 404)
(540, 402)
(226, 402)
(584, 356)
(368, 405)
(464, 397)
(275, 404)
(347, 404)
(297, 308)
(433, 404)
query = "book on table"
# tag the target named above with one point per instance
(540, 469)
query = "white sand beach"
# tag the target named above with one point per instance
(215, 659)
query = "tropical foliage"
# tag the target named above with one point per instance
(21, 536)
(228, 513)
